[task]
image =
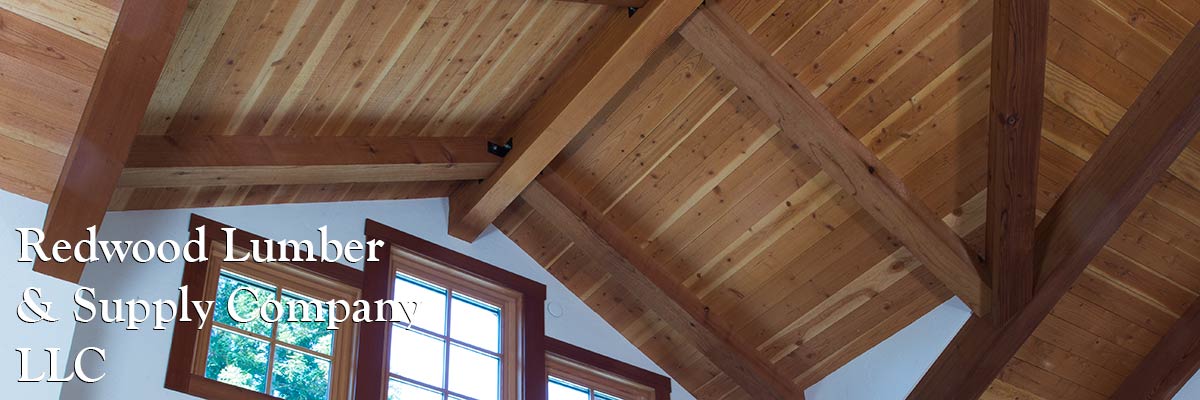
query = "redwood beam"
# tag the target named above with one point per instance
(593, 78)
(180, 161)
(616, 3)
(1163, 120)
(1015, 129)
(824, 139)
(615, 253)
(126, 79)
(1169, 365)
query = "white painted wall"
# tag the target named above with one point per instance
(19, 212)
(137, 359)
(891, 369)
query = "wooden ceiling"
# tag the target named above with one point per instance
(50, 52)
(684, 164)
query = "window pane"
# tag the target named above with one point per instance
(417, 356)
(237, 360)
(399, 390)
(430, 313)
(244, 303)
(606, 396)
(474, 374)
(475, 322)
(299, 376)
(311, 335)
(563, 390)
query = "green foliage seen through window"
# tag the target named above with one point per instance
(238, 352)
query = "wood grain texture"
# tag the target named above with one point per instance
(89, 21)
(45, 76)
(581, 91)
(680, 159)
(596, 236)
(730, 215)
(181, 161)
(1172, 362)
(135, 57)
(826, 141)
(1015, 130)
(616, 3)
(1159, 125)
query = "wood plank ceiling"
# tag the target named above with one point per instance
(49, 55)
(680, 160)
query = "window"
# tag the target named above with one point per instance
(476, 334)
(454, 346)
(561, 389)
(264, 358)
(577, 374)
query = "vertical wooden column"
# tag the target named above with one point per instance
(1159, 125)
(1015, 129)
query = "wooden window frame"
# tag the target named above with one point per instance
(378, 284)
(189, 343)
(455, 282)
(581, 366)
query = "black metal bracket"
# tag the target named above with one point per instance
(500, 150)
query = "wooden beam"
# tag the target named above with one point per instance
(128, 74)
(618, 255)
(1169, 365)
(1018, 81)
(615, 3)
(826, 141)
(1165, 117)
(173, 161)
(591, 80)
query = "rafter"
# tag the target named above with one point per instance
(1165, 117)
(617, 254)
(1015, 129)
(827, 142)
(617, 3)
(568, 105)
(177, 161)
(126, 79)
(1170, 364)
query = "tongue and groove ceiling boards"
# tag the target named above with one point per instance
(462, 68)
(689, 174)
(49, 55)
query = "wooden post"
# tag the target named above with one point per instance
(1015, 129)
(1159, 125)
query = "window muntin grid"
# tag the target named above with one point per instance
(271, 343)
(452, 350)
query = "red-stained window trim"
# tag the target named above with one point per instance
(180, 362)
(600, 362)
(378, 279)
